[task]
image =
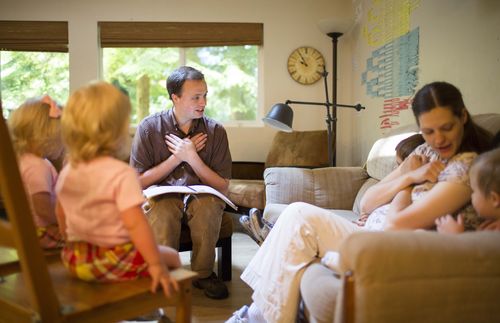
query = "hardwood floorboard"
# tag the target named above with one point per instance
(209, 310)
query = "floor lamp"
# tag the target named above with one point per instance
(281, 114)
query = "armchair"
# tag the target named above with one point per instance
(416, 276)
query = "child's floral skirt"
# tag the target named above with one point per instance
(50, 237)
(103, 264)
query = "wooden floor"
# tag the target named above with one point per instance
(209, 310)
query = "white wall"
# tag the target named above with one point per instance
(459, 43)
(287, 24)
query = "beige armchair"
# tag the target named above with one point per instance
(409, 277)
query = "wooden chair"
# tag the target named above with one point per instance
(45, 292)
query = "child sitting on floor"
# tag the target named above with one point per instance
(485, 183)
(108, 238)
(36, 133)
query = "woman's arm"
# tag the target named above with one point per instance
(414, 170)
(444, 198)
(401, 201)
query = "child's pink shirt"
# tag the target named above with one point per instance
(39, 176)
(93, 195)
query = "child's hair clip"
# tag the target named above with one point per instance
(54, 111)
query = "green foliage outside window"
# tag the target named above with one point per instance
(24, 75)
(230, 72)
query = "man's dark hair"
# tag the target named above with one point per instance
(176, 80)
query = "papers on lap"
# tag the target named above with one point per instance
(192, 189)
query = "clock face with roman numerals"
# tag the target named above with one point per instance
(306, 65)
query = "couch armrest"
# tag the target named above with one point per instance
(424, 276)
(329, 187)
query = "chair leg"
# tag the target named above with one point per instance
(224, 259)
(183, 309)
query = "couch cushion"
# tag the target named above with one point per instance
(329, 187)
(273, 211)
(489, 121)
(335, 188)
(382, 157)
(369, 183)
(248, 193)
(299, 149)
(289, 184)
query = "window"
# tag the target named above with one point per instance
(33, 61)
(139, 57)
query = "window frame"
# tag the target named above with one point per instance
(119, 34)
(179, 34)
(35, 36)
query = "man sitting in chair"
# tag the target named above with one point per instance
(181, 146)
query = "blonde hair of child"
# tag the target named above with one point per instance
(34, 131)
(486, 169)
(95, 123)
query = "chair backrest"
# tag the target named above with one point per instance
(299, 149)
(19, 231)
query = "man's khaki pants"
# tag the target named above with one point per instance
(201, 212)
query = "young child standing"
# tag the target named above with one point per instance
(99, 196)
(36, 133)
(485, 183)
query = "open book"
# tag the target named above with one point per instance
(192, 189)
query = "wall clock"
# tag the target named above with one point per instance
(306, 65)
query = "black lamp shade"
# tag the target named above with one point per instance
(280, 117)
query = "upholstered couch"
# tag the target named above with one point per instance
(396, 276)
(341, 188)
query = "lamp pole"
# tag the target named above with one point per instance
(330, 120)
(335, 37)
(281, 115)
